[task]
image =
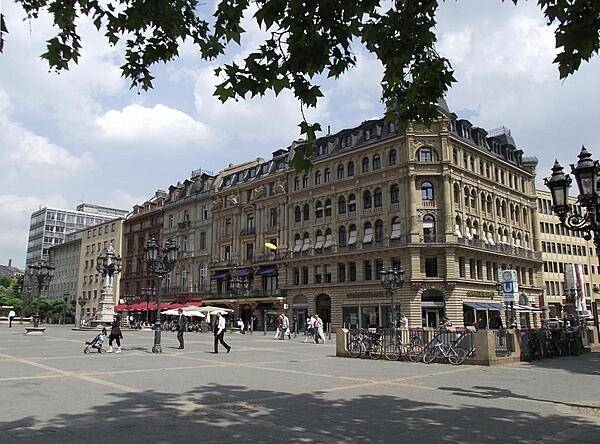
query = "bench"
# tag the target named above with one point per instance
(35, 331)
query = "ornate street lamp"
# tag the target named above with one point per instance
(160, 262)
(240, 285)
(147, 293)
(586, 174)
(82, 301)
(392, 280)
(108, 264)
(128, 301)
(41, 272)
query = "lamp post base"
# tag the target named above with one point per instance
(157, 348)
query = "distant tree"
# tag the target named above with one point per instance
(307, 39)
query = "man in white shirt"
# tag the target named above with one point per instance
(286, 328)
(11, 315)
(220, 332)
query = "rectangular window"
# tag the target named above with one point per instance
(461, 267)
(431, 267)
(296, 276)
(318, 276)
(203, 240)
(273, 217)
(305, 275)
(352, 271)
(367, 270)
(341, 272)
(228, 227)
(249, 251)
(327, 274)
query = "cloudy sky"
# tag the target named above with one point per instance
(84, 136)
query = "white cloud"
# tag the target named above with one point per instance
(455, 46)
(156, 128)
(15, 213)
(26, 152)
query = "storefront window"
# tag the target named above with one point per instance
(350, 317)
(370, 317)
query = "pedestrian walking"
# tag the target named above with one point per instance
(240, 325)
(285, 327)
(115, 335)
(319, 329)
(251, 324)
(219, 331)
(11, 315)
(403, 321)
(279, 331)
(181, 327)
(310, 328)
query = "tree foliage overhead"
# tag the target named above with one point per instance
(307, 39)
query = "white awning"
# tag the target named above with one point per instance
(306, 245)
(368, 236)
(328, 241)
(319, 243)
(395, 234)
(352, 238)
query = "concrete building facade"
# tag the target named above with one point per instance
(50, 226)
(66, 257)
(561, 248)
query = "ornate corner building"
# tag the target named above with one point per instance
(452, 204)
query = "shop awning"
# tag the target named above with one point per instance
(484, 305)
(267, 270)
(527, 308)
(242, 272)
(219, 275)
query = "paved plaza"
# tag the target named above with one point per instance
(279, 391)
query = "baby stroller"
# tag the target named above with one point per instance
(96, 343)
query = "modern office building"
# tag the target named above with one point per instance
(50, 226)
(569, 261)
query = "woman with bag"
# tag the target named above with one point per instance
(115, 334)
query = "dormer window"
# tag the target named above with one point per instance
(367, 134)
(391, 127)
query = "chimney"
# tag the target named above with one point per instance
(10, 262)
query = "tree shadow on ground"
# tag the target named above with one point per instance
(584, 364)
(217, 413)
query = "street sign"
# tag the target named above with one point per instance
(510, 286)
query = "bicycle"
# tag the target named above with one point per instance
(366, 342)
(413, 349)
(453, 354)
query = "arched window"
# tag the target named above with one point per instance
(376, 162)
(318, 178)
(392, 157)
(525, 216)
(498, 207)
(377, 198)
(342, 236)
(466, 194)
(297, 215)
(328, 208)
(482, 201)
(395, 194)
(428, 228)
(378, 231)
(426, 154)
(454, 156)
(368, 233)
(426, 191)
(517, 214)
(352, 203)
(296, 183)
(367, 202)
(365, 164)
(305, 212)
(473, 199)
(488, 204)
(391, 127)
(395, 228)
(457, 227)
(504, 209)
(297, 243)
(350, 169)
(305, 181)
(342, 205)
(456, 193)
(319, 210)
(340, 171)
(327, 175)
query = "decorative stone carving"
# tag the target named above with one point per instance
(258, 192)
(232, 199)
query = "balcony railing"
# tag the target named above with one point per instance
(502, 248)
(247, 231)
(184, 224)
(394, 205)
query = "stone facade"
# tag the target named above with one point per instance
(451, 204)
(94, 240)
(188, 220)
(65, 258)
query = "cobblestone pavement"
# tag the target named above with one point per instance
(279, 391)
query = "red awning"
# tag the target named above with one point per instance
(151, 306)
